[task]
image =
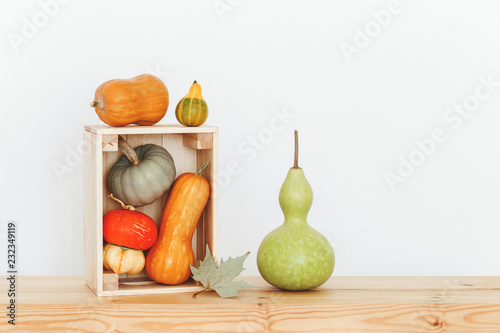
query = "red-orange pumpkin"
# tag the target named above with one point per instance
(128, 227)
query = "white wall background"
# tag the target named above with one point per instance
(355, 119)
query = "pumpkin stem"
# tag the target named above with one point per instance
(296, 158)
(128, 151)
(129, 207)
(195, 82)
(203, 167)
(94, 104)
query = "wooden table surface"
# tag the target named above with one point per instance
(343, 304)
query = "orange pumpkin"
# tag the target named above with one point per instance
(168, 260)
(141, 100)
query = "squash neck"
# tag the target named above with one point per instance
(295, 221)
(194, 91)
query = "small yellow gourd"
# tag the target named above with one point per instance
(122, 260)
(192, 109)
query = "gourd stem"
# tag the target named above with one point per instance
(202, 168)
(129, 207)
(94, 104)
(296, 158)
(195, 82)
(128, 151)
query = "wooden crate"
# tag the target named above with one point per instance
(190, 147)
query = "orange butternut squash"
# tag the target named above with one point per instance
(168, 260)
(141, 100)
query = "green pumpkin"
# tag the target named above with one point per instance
(142, 175)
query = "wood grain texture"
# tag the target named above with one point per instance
(155, 129)
(87, 212)
(110, 142)
(97, 210)
(207, 232)
(343, 304)
(198, 140)
(93, 189)
(109, 281)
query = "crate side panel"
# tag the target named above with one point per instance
(97, 212)
(90, 260)
(93, 211)
(207, 233)
(213, 222)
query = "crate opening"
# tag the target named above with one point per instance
(189, 151)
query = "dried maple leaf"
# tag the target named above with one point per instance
(220, 279)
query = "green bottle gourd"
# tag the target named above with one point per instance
(295, 256)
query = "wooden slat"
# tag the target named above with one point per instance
(213, 223)
(110, 281)
(198, 140)
(343, 304)
(110, 142)
(200, 232)
(97, 210)
(93, 212)
(207, 227)
(184, 157)
(156, 129)
(90, 255)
